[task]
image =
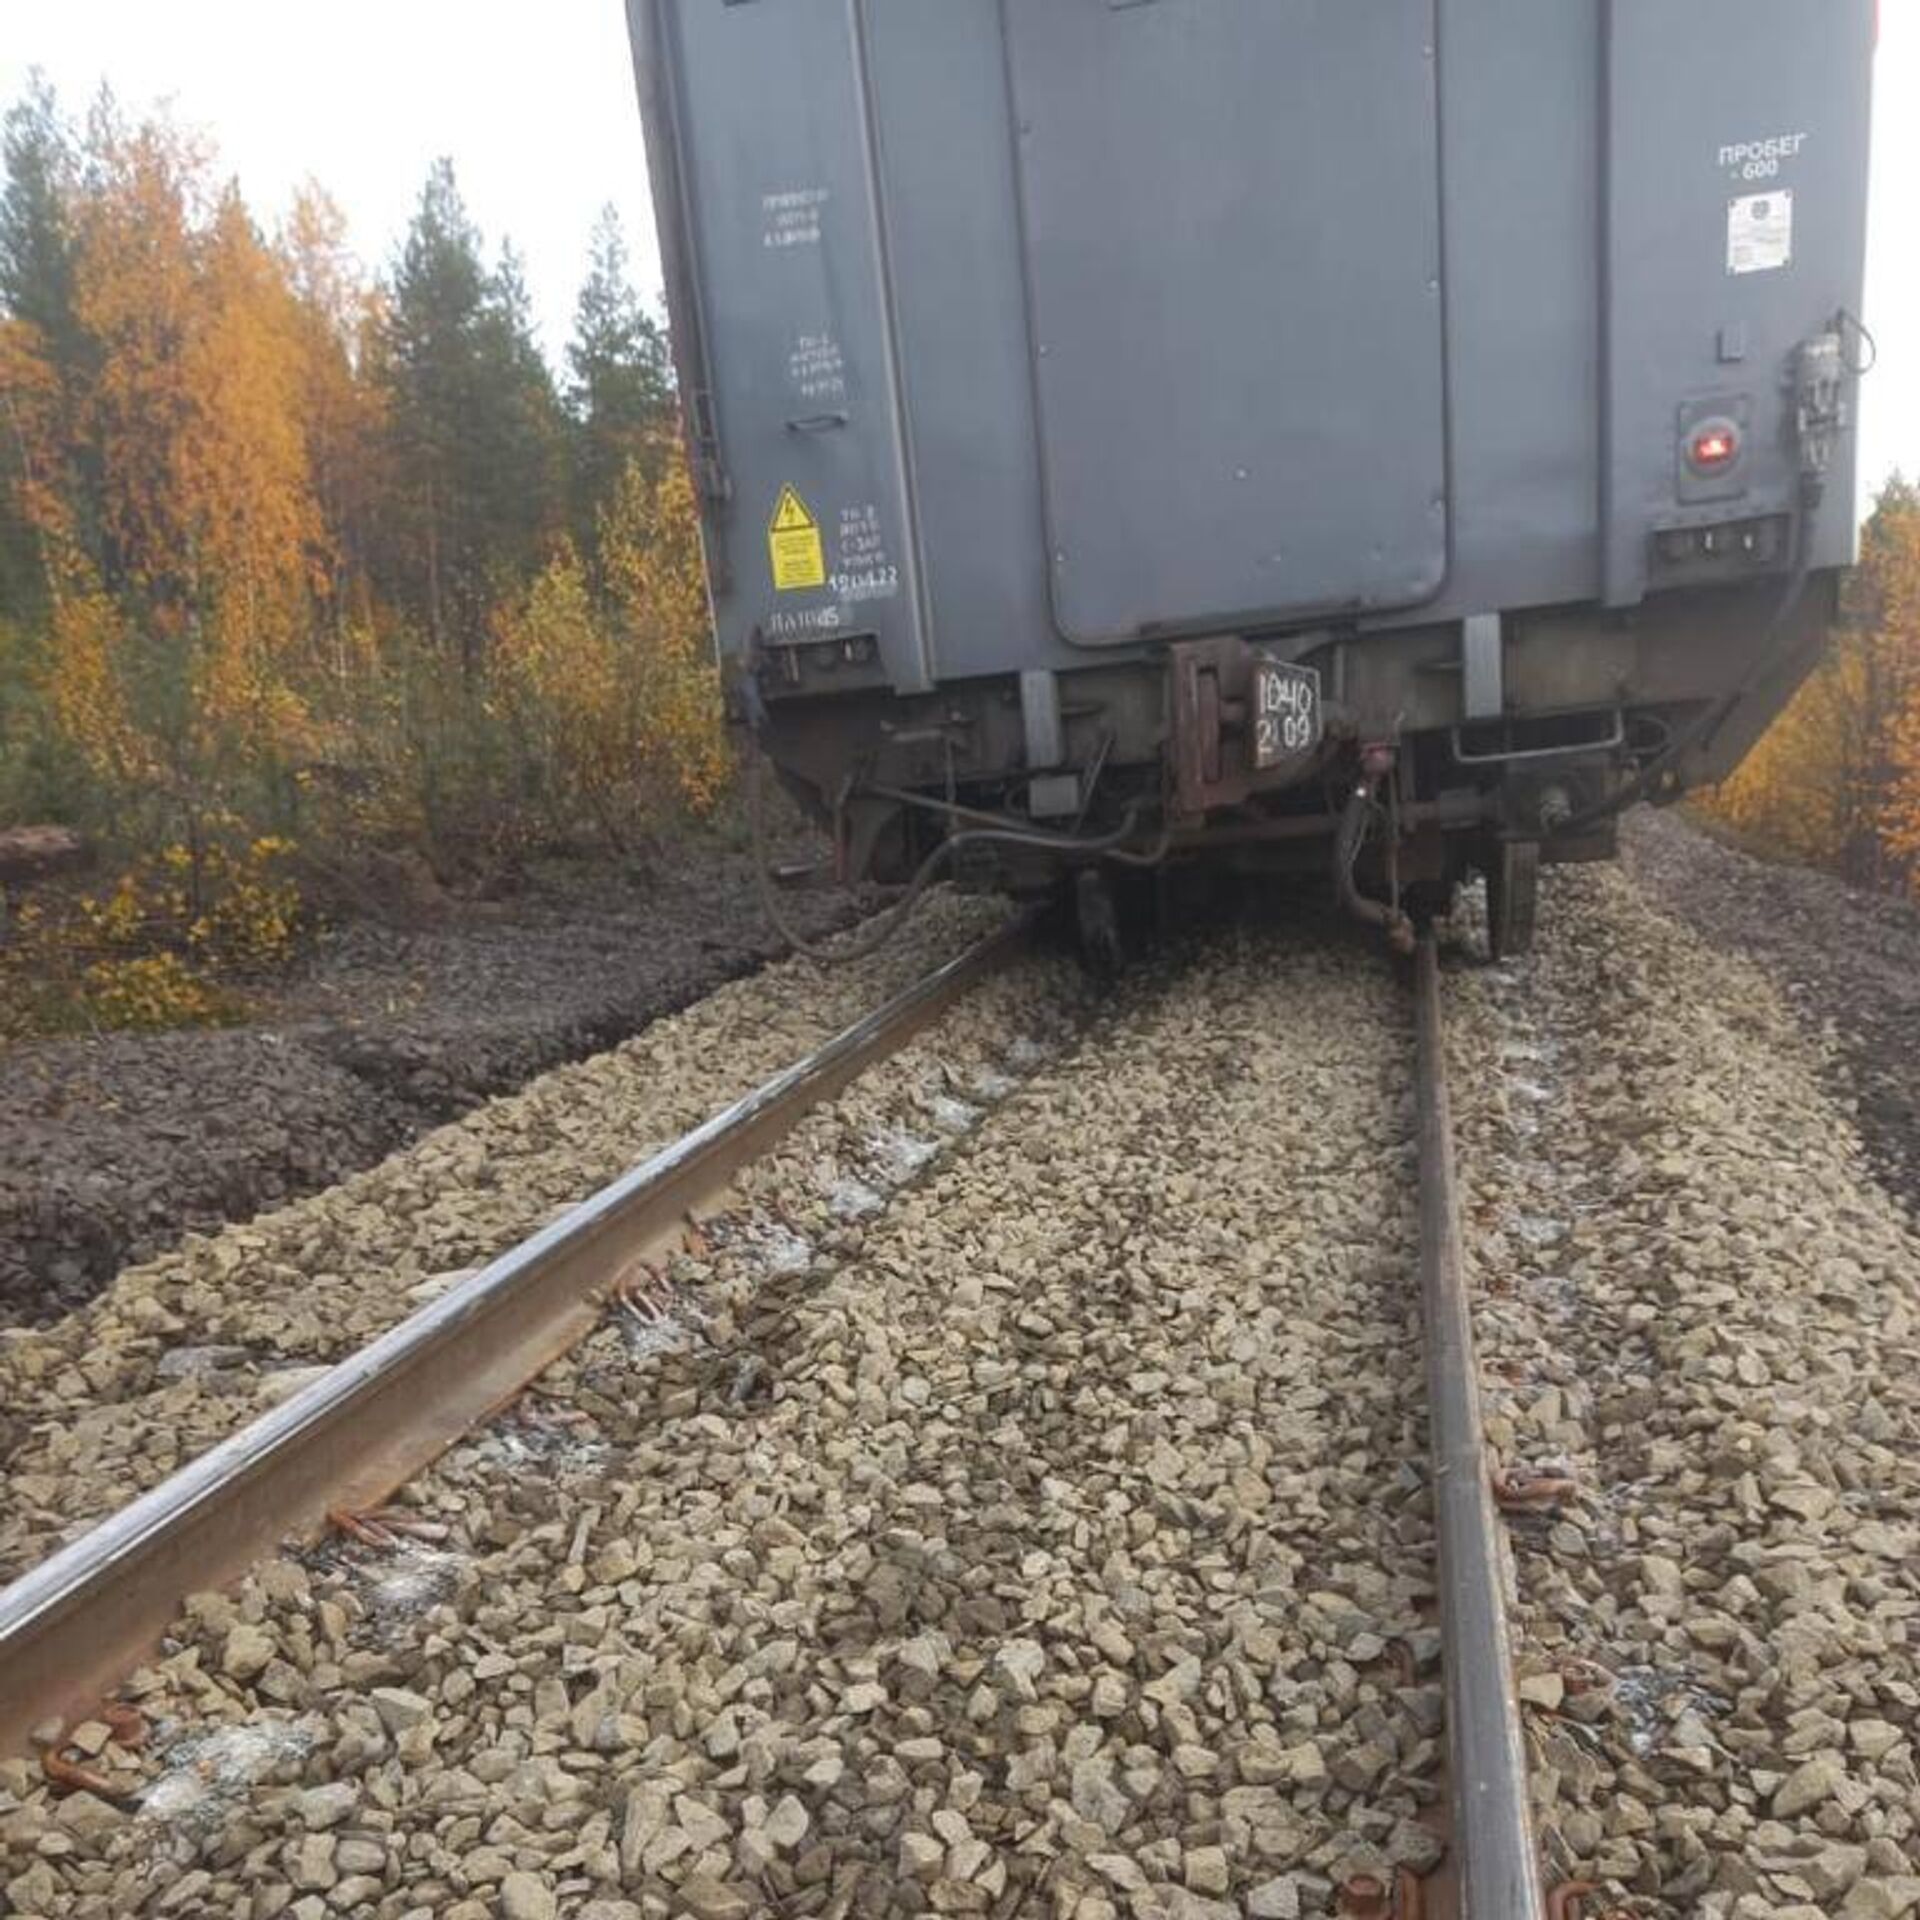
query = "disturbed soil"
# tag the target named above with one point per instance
(1847, 962)
(112, 1146)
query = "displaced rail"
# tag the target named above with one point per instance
(1496, 1870)
(84, 1616)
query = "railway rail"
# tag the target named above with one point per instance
(75, 1625)
(84, 1616)
(1498, 1863)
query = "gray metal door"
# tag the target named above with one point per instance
(1232, 238)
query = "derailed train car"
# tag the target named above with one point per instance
(1387, 434)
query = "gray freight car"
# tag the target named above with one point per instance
(1391, 433)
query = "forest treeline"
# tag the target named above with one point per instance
(292, 556)
(1835, 782)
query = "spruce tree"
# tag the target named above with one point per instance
(475, 425)
(427, 366)
(620, 395)
(524, 456)
(36, 293)
(36, 239)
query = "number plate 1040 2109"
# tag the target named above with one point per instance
(1287, 715)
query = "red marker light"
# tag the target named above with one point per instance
(1713, 446)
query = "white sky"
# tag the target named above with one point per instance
(536, 106)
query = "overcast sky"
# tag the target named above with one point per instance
(535, 104)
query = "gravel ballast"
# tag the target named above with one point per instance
(1847, 962)
(1695, 1292)
(180, 1351)
(1009, 1508)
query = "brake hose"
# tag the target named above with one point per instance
(886, 924)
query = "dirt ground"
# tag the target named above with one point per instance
(114, 1146)
(1847, 962)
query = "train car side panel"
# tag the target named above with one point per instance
(810, 499)
(1734, 241)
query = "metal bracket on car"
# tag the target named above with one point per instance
(1482, 667)
(1040, 721)
(1509, 756)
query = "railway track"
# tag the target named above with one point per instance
(75, 1626)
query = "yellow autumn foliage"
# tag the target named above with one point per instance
(86, 688)
(1903, 803)
(30, 392)
(1796, 792)
(211, 542)
(615, 695)
(1835, 781)
(216, 545)
(656, 587)
(165, 944)
(153, 990)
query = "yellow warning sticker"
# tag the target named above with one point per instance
(794, 549)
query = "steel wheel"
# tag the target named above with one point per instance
(1097, 923)
(1513, 895)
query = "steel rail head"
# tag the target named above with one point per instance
(1493, 1839)
(81, 1618)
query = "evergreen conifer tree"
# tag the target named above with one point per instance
(620, 394)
